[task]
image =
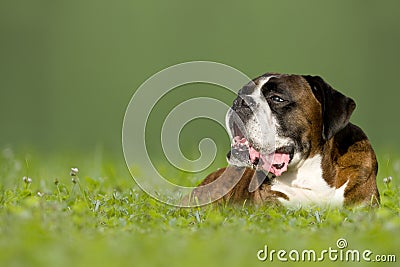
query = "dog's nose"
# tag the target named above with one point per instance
(243, 102)
(240, 103)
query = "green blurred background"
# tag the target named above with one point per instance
(69, 68)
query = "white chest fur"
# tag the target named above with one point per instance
(305, 186)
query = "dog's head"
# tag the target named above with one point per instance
(278, 120)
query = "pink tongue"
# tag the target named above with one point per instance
(279, 159)
(254, 154)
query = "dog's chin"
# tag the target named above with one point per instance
(244, 154)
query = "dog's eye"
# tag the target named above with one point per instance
(277, 99)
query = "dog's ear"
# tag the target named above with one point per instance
(336, 107)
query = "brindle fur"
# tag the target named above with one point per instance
(319, 123)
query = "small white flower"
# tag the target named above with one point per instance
(40, 194)
(27, 180)
(387, 180)
(74, 171)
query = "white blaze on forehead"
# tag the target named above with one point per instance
(261, 126)
(258, 126)
(260, 83)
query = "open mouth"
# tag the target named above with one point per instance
(275, 163)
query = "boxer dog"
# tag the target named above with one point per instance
(293, 144)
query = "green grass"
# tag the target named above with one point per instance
(104, 219)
